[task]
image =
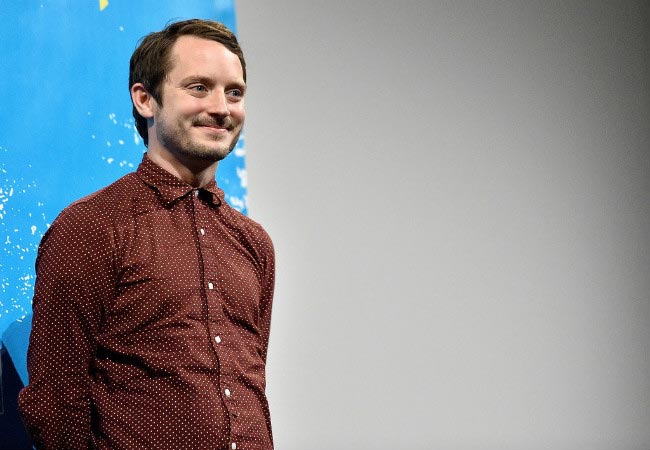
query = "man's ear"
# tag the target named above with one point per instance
(143, 101)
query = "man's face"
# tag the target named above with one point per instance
(202, 110)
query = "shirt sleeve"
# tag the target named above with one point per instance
(74, 277)
(268, 285)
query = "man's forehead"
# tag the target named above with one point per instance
(198, 50)
(189, 43)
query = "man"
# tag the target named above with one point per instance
(152, 303)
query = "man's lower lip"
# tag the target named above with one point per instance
(213, 129)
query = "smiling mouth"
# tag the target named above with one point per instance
(214, 128)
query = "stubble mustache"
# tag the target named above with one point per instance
(217, 123)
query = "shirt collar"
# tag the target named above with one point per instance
(169, 188)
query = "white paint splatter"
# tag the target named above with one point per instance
(243, 177)
(236, 202)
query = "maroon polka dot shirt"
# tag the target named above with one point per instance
(152, 310)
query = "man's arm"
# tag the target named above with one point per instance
(268, 285)
(74, 276)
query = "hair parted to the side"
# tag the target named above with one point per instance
(151, 60)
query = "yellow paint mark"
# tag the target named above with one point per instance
(103, 4)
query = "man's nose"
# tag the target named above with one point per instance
(218, 104)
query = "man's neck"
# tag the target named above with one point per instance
(196, 173)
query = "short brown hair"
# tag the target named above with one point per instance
(151, 60)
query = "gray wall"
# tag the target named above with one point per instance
(459, 197)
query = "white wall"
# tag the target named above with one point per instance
(459, 195)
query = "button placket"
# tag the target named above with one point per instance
(213, 296)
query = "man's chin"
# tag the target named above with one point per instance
(209, 154)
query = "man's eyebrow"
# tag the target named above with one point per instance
(209, 81)
(196, 79)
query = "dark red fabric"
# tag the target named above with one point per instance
(152, 312)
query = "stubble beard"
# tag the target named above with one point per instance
(181, 143)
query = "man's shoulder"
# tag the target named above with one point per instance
(245, 223)
(249, 232)
(94, 218)
(106, 204)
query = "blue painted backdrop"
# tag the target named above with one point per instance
(67, 128)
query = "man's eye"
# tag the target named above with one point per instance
(198, 88)
(236, 93)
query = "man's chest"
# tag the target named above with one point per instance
(184, 265)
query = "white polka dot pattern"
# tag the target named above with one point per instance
(152, 312)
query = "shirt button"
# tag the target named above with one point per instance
(233, 446)
(202, 232)
(227, 391)
(196, 193)
(218, 339)
(210, 286)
